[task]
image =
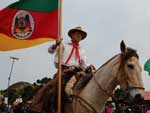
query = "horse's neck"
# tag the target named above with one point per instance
(98, 91)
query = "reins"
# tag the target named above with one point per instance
(88, 106)
(83, 100)
(86, 103)
(100, 87)
(134, 87)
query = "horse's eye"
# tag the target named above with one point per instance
(130, 66)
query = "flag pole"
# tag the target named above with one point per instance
(59, 58)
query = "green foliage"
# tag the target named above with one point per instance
(28, 92)
(23, 89)
(2, 107)
(11, 95)
(2, 92)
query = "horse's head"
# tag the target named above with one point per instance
(130, 79)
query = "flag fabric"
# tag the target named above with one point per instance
(27, 23)
(147, 65)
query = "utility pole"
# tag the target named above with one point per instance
(9, 77)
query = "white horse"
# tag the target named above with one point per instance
(123, 69)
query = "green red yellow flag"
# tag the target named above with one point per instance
(27, 23)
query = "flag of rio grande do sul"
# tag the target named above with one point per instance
(27, 23)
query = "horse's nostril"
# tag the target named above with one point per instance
(138, 96)
(138, 99)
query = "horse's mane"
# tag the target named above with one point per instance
(108, 61)
(130, 53)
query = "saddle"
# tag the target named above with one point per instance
(46, 98)
(77, 83)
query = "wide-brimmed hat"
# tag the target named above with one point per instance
(83, 33)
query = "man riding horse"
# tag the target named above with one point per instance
(74, 66)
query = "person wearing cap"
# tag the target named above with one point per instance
(72, 53)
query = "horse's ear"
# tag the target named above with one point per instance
(123, 47)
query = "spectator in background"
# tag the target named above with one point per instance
(2, 104)
(109, 107)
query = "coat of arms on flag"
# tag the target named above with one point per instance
(24, 24)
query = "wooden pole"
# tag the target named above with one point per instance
(59, 59)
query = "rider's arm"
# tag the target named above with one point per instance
(52, 48)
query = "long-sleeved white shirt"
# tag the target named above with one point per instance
(66, 49)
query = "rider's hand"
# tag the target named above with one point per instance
(58, 41)
(91, 68)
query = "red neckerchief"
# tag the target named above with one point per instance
(75, 46)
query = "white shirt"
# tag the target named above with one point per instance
(66, 49)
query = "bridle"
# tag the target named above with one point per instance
(103, 91)
(83, 100)
(80, 99)
(83, 103)
(127, 90)
(132, 87)
(135, 87)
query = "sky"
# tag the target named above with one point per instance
(107, 23)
